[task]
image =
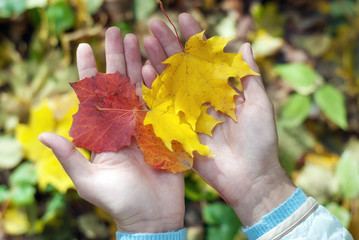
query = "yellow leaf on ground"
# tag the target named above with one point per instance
(51, 172)
(324, 160)
(265, 45)
(50, 116)
(15, 221)
(41, 120)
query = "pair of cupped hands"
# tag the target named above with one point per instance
(245, 169)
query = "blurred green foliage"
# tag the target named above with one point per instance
(222, 222)
(309, 58)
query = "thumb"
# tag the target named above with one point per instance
(73, 162)
(253, 87)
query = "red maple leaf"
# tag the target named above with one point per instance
(105, 120)
(110, 114)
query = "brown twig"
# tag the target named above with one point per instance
(161, 5)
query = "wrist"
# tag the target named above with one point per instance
(151, 225)
(277, 216)
(265, 194)
(181, 234)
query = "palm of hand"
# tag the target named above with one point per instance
(245, 169)
(133, 193)
(121, 183)
(243, 150)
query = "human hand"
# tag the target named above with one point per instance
(245, 169)
(138, 198)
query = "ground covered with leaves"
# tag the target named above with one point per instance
(309, 58)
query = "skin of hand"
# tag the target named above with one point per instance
(138, 198)
(245, 169)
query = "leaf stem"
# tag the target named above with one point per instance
(178, 39)
(206, 180)
(120, 110)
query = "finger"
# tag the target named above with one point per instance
(149, 74)
(115, 55)
(253, 87)
(189, 25)
(86, 63)
(166, 37)
(73, 162)
(155, 53)
(133, 59)
(247, 56)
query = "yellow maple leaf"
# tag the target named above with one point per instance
(15, 221)
(41, 120)
(46, 118)
(196, 76)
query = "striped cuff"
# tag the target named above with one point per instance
(179, 235)
(277, 216)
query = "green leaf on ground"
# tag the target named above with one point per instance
(347, 172)
(10, 7)
(341, 213)
(143, 8)
(125, 26)
(56, 205)
(93, 5)
(60, 16)
(300, 76)
(295, 110)
(10, 152)
(332, 103)
(24, 173)
(222, 220)
(23, 194)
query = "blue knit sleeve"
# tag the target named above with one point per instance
(277, 216)
(179, 235)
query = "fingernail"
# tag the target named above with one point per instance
(42, 138)
(248, 48)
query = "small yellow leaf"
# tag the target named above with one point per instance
(171, 129)
(265, 45)
(41, 120)
(324, 160)
(206, 122)
(15, 221)
(51, 172)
